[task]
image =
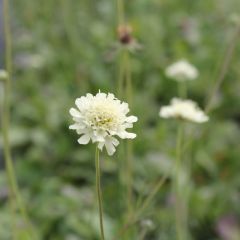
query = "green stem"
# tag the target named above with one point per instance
(134, 219)
(143, 234)
(180, 231)
(121, 74)
(129, 89)
(129, 177)
(223, 69)
(121, 20)
(14, 190)
(182, 89)
(153, 193)
(68, 20)
(7, 155)
(120, 10)
(125, 75)
(137, 215)
(129, 143)
(99, 192)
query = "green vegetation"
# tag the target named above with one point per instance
(65, 49)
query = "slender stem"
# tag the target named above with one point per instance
(5, 116)
(153, 193)
(67, 18)
(137, 215)
(99, 192)
(7, 156)
(182, 89)
(129, 143)
(178, 200)
(125, 228)
(143, 234)
(125, 75)
(120, 10)
(8, 39)
(14, 191)
(129, 89)
(121, 75)
(122, 60)
(129, 177)
(223, 70)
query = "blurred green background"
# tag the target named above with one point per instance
(66, 48)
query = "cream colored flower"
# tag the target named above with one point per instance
(100, 119)
(182, 71)
(3, 74)
(183, 109)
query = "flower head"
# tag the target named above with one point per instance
(183, 109)
(3, 74)
(182, 71)
(125, 34)
(126, 38)
(100, 118)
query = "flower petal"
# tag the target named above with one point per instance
(84, 139)
(110, 148)
(75, 113)
(126, 135)
(131, 119)
(74, 126)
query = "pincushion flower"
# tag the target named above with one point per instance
(183, 109)
(3, 74)
(182, 71)
(101, 119)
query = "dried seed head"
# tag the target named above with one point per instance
(125, 34)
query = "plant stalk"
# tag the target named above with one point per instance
(15, 197)
(224, 69)
(120, 10)
(99, 192)
(180, 227)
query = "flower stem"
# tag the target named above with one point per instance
(129, 143)
(99, 192)
(153, 193)
(182, 89)
(5, 118)
(129, 178)
(223, 69)
(15, 197)
(180, 230)
(125, 78)
(137, 214)
(121, 75)
(129, 89)
(120, 10)
(7, 155)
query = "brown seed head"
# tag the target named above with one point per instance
(125, 34)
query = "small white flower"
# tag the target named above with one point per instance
(3, 74)
(182, 71)
(100, 118)
(183, 109)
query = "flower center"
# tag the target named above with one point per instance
(102, 117)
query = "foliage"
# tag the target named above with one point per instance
(63, 49)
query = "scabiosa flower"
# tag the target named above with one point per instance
(101, 119)
(183, 109)
(3, 74)
(182, 71)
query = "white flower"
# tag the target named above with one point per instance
(183, 109)
(181, 71)
(3, 74)
(100, 118)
